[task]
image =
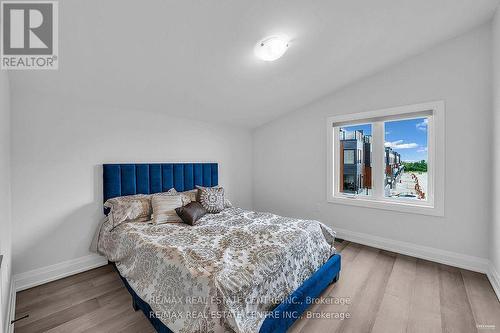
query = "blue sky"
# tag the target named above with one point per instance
(407, 137)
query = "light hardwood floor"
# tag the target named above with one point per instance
(381, 291)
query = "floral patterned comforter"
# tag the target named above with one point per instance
(222, 275)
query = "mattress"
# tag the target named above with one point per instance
(222, 275)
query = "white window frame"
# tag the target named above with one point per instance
(434, 205)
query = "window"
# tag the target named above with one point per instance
(406, 147)
(348, 156)
(389, 159)
(354, 175)
(349, 183)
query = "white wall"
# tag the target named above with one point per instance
(290, 152)
(58, 147)
(5, 199)
(495, 225)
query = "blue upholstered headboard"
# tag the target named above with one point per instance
(128, 179)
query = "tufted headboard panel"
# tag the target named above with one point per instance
(129, 179)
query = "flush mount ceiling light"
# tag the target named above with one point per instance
(272, 47)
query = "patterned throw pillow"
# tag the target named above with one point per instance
(132, 208)
(164, 207)
(211, 198)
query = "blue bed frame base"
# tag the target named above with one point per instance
(144, 178)
(283, 316)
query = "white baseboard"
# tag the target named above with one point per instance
(464, 261)
(50, 273)
(11, 309)
(494, 278)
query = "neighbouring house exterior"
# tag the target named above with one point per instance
(367, 152)
(355, 161)
(393, 167)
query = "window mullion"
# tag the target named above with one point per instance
(378, 160)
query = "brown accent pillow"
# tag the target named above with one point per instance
(191, 213)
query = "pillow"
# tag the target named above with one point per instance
(227, 203)
(132, 208)
(186, 196)
(164, 208)
(191, 213)
(211, 198)
(169, 192)
(191, 194)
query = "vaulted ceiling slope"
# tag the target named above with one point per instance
(195, 58)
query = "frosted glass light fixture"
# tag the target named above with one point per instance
(272, 47)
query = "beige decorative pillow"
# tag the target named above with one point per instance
(164, 208)
(186, 196)
(211, 198)
(191, 194)
(132, 208)
(169, 192)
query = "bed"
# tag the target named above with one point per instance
(235, 271)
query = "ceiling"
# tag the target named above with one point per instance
(195, 58)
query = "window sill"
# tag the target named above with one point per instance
(404, 207)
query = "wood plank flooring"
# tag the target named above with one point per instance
(378, 291)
